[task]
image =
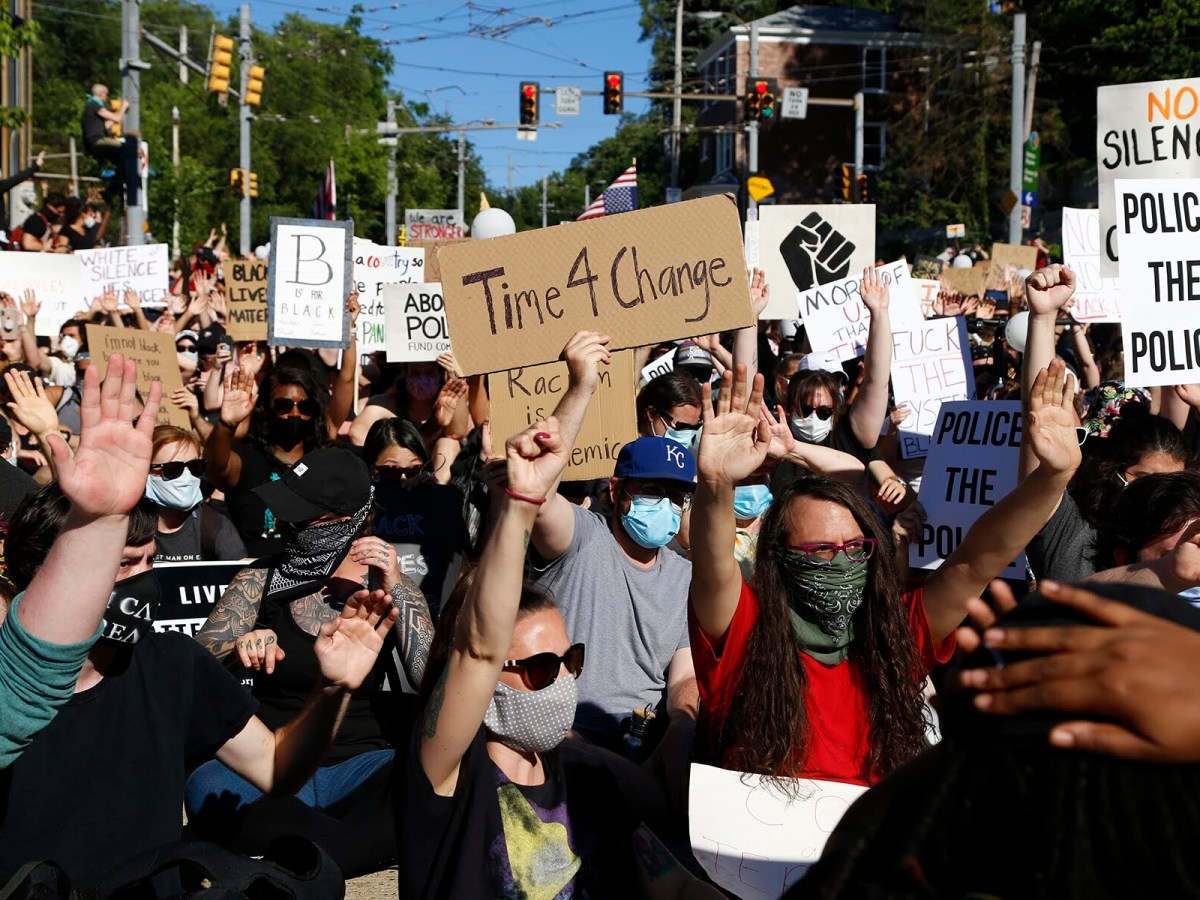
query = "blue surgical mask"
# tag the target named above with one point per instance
(751, 500)
(178, 493)
(191, 356)
(651, 522)
(690, 437)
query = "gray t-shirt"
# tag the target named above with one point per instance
(186, 544)
(631, 619)
(1063, 550)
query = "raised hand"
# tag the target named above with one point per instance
(1048, 290)
(760, 291)
(783, 442)
(108, 300)
(447, 361)
(353, 308)
(536, 459)
(107, 475)
(237, 403)
(348, 646)
(29, 404)
(377, 554)
(898, 414)
(875, 293)
(30, 305)
(259, 650)
(735, 440)
(583, 354)
(186, 400)
(1051, 420)
(133, 300)
(165, 323)
(452, 394)
(1189, 394)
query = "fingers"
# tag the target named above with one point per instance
(739, 389)
(89, 406)
(245, 655)
(110, 388)
(1050, 638)
(1003, 598)
(1039, 388)
(1106, 738)
(128, 390)
(60, 450)
(274, 654)
(756, 393)
(1107, 612)
(724, 399)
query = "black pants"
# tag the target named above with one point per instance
(122, 152)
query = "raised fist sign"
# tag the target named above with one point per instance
(815, 253)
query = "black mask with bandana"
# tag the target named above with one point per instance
(132, 607)
(286, 432)
(311, 553)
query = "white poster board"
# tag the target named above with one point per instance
(55, 278)
(656, 367)
(309, 277)
(750, 838)
(802, 246)
(433, 224)
(1144, 130)
(1159, 229)
(416, 322)
(931, 364)
(1096, 297)
(837, 321)
(927, 294)
(142, 268)
(971, 464)
(375, 266)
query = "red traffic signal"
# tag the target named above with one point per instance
(614, 93)
(529, 103)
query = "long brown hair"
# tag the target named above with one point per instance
(804, 385)
(767, 731)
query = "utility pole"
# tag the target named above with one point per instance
(175, 169)
(510, 183)
(677, 91)
(1035, 58)
(752, 139)
(183, 52)
(545, 182)
(131, 91)
(462, 171)
(244, 117)
(390, 202)
(859, 127)
(1017, 126)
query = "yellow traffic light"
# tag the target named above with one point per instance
(253, 184)
(237, 182)
(219, 63)
(252, 89)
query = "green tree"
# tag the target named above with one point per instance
(15, 35)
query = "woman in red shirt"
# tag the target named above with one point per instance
(815, 670)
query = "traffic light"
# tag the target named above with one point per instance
(237, 182)
(252, 89)
(847, 182)
(219, 61)
(761, 99)
(253, 184)
(866, 187)
(529, 103)
(614, 93)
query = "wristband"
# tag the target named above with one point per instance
(524, 499)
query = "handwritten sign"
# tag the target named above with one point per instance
(142, 268)
(1144, 130)
(415, 316)
(1006, 261)
(968, 282)
(642, 277)
(754, 840)
(1096, 297)
(433, 225)
(522, 396)
(432, 271)
(57, 281)
(376, 266)
(927, 294)
(154, 353)
(246, 293)
(188, 592)
(837, 321)
(971, 464)
(931, 363)
(310, 276)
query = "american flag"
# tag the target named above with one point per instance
(618, 197)
(325, 206)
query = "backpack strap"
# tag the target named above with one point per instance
(210, 527)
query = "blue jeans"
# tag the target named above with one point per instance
(329, 785)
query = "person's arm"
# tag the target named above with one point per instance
(745, 340)
(823, 460)
(1003, 531)
(235, 613)
(1089, 372)
(478, 402)
(660, 874)
(535, 460)
(224, 465)
(33, 410)
(34, 355)
(134, 301)
(345, 387)
(445, 452)
(733, 444)
(7, 184)
(1047, 291)
(870, 403)
(109, 114)
(279, 762)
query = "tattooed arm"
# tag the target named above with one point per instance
(235, 613)
(414, 628)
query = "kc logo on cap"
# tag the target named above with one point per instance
(675, 455)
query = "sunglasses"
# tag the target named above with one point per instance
(541, 670)
(679, 426)
(169, 471)
(823, 412)
(822, 554)
(680, 498)
(392, 474)
(1081, 434)
(281, 406)
(185, 348)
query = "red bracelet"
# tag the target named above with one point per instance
(534, 500)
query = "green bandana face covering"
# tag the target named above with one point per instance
(822, 601)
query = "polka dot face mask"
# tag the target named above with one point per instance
(533, 721)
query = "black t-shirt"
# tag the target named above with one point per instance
(840, 438)
(104, 781)
(37, 225)
(77, 241)
(497, 839)
(255, 523)
(188, 543)
(426, 526)
(14, 485)
(92, 124)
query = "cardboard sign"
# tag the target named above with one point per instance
(376, 266)
(55, 278)
(142, 268)
(968, 282)
(837, 321)
(801, 247)
(188, 591)
(1006, 261)
(641, 277)
(246, 293)
(433, 225)
(1145, 130)
(1096, 297)
(751, 838)
(971, 465)
(931, 363)
(433, 271)
(522, 396)
(927, 294)
(415, 316)
(310, 276)
(154, 353)
(1160, 280)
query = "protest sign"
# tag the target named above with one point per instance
(522, 396)
(837, 321)
(1144, 130)
(927, 294)
(56, 280)
(432, 271)
(931, 363)
(433, 225)
(968, 282)
(246, 295)
(750, 235)
(641, 277)
(971, 465)
(154, 353)
(1006, 261)
(309, 278)
(660, 366)
(188, 591)
(1096, 297)
(751, 838)
(800, 247)
(376, 266)
(1160, 280)
(415, 317)
(142, 268)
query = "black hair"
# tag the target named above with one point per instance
(304, 379)
(393, 432)
(307, 360)
(665, 392)
(55, 198)
(75, 208)
(804, 385)
(1150, 507)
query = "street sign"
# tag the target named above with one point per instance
(674, 195)
(526, 133)
(1032, 165)
(567, 101)
(795, 103)
(759, 187)
(1029, 198)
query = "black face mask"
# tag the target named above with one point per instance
(132, 607)
(286, 432)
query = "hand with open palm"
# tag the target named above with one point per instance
(1051, 420)
(735, 440)
(348, 646)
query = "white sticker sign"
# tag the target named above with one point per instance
(309, 277)
(416, 322)
(376, 266)
(837, 321)
(1096, 297)
(142, 268)
(931, 364)
(433, 224)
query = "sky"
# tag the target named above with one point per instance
(467, 60)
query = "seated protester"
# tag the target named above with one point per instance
(104, 781)
(422, 393)
(39, 231)
(189, 530)
(826, 631)
(76, 233)
(271, 618)
(669, 406)
(1148, 519)
(493, 801)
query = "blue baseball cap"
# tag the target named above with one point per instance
(656, 459)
